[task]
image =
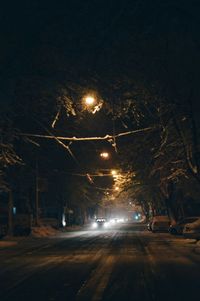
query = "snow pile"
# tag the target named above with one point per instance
(194, 225)
(6, 243)
(43, 231)
(72, 228)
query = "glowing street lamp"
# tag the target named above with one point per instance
(90, 100)
(104, 155)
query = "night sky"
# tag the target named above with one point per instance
(73, 38)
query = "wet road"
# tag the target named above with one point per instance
(128, 263)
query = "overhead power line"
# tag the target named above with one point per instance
(106, 137)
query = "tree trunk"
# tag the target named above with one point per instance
(10, 212)
(36, 197)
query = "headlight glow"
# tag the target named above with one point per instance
(105, 225)
(94, 225)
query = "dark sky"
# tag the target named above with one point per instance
(85, 36)
(35, 36)
(70, 28)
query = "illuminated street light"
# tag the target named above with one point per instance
(104, 155)
(90, 100)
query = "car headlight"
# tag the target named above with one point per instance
(94, 225)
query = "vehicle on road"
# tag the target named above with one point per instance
(176, 228)
(118, 220)
(160, 223)
(100, 223)
(192, 230)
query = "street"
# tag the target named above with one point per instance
(124, 263)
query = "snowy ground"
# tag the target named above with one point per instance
(121, 264)
(7, 243)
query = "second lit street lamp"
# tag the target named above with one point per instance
(104, 155)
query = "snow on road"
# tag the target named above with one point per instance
(122, 264)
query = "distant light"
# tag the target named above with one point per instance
(14, 210)
(63, 220)
(106, 224)
(113, 172)
(116, 188)
(94, 225)
(104, 155)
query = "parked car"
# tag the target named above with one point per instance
(192, 230)
(160, 223)
(177, 227)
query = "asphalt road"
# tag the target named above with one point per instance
(128, 263)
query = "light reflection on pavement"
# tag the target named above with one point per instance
(125, 263)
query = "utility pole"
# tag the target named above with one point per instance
(10, 212)
(36, 195)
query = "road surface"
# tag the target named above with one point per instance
(128, 263)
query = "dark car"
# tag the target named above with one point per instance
(177, 228)
(100, 223)
(159, 223)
